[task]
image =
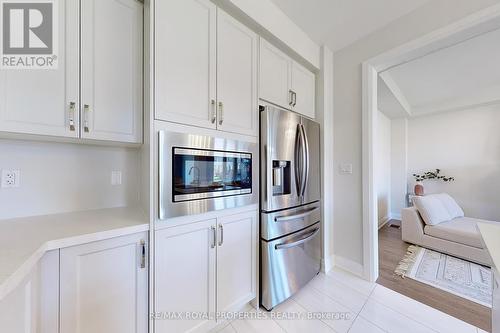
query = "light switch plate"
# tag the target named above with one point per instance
(116, 177)
(346, 168)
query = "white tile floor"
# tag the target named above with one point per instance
(365, 308)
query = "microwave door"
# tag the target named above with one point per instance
(312, 184)
(281, 183)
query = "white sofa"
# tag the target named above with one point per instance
(457, 236)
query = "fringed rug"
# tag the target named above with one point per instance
(457, 276)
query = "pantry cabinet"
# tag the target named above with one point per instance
(204, 267)
(284, 82)
(104, 286)
(33, 307)
(206, 68)
(96, 90)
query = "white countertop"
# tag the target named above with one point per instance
(23, 241)
(491, 237)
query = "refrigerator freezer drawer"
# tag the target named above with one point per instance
(278, 224)
(289, 263)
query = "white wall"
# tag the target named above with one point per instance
(399, 166)
(60, 177)
(348, 242)
(465, 145)
(383, 167)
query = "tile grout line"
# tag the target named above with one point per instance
(359, 313)
(406, 316)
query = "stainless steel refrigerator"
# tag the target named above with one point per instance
(290, 242)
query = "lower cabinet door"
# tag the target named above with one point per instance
(33, 307)
(236, 260)
(185, 278)
(104, 286)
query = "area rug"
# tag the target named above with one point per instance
(457, 276)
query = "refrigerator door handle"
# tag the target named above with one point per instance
(298, 162)
(302, 240)
(306, 159)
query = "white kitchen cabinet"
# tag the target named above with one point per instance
(102, 70)
(285, 82)
(111, 69)
(274, 75)
(236, 260)
(185, 62)
(185, 275)
(45, 101)
(104, 286)
(206, 68)
(236, 76)
(33, 307)
(204, 267)
(303, 83)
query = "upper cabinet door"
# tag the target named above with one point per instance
(304, 87)
(104, 286)
(274, 75)
(185, 62)
(45, 101)
(236, 260)
(236, 76)
(111, 106)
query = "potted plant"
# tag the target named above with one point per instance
(436, 175)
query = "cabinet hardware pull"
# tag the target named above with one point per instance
(143, 253)
(221, 240)
(214, 112)
(214, 236)
(72, 106)
(290, 97)
(221, 113)
(86, 110)
(294, 98)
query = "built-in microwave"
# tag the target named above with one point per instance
(200, 173)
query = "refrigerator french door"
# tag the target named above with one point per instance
(290, 244)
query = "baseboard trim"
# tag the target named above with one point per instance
(327, 263)
(384, 222)
(349, 265)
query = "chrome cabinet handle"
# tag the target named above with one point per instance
(294, 98)
(72, 106)
(214, 236)
(221, 240)
(143, 253)
(214, 112)
(86, 110)
(290, 97)
(302, 240)
(221, 113)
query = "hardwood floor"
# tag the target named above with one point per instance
(391, 251)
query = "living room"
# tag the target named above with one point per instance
(437, 146)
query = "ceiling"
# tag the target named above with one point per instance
(338, 23)
(463, 76)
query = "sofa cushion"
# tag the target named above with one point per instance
(451, 205)
(461, 230)
(432, 209)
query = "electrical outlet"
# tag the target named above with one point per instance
(116, 177)
(10, 178)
